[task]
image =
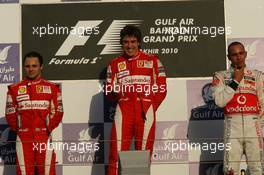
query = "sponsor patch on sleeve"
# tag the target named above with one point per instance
(9, 105)
(216, 81)
(109, 74)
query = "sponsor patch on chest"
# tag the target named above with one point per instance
(43, 89)
(144, 64)
(22, 97)
(249, 78)
(123, 73)
(22, 90)
(121, 66)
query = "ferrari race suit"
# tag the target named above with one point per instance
(33, 110)
(139, 86)
(243, 106)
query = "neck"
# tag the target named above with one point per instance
(33, 79)
(129, 57)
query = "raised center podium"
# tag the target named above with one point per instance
(134, 162)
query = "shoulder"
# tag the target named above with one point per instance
(116, 60)
(116, 64)
(15, 85)
(51, 84)
(253, 73)
(149, 56)
(47, 82)
(221, 73)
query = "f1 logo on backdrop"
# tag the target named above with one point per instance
(110, 38)
(82, 56)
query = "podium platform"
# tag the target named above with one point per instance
(134, 162)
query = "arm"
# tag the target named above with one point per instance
(11, 111)
(223, 93)
(260, 93)
(110, 84)
(56, 109)
(159, 80)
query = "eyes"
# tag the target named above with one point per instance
(129, 41)
(238, 54)
(31, 66)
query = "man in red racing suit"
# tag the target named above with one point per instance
(240, 91)
(33, 110)
(138, 82)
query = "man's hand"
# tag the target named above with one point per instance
(238, 74)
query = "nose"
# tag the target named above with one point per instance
(239, 58)
(129, 44)
(31, 68)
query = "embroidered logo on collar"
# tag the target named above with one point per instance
(22, 90)
(121, 66)
(43, 89)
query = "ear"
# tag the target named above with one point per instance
(228, 57)
(41, 67)
(245, 53)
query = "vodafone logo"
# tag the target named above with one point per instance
(241, 99)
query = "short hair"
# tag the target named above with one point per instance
(33, 54)
(233, 44)
(130, 30)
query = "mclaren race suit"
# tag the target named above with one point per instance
(139, 86)
(33, 110)
(243, 106)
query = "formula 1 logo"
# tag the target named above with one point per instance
(110, 38)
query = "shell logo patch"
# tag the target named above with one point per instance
(122, 66)
(22, 90)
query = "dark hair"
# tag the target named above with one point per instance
(33, 54)
(233, 44)
(130, 30)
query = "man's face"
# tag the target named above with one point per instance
(130, 46)
(32, 68)
(237, 55)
